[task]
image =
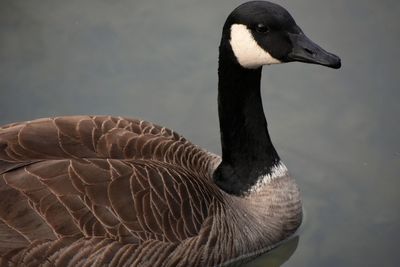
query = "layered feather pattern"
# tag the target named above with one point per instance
(95, 191)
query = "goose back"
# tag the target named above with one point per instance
(101, 177)
(95, 191)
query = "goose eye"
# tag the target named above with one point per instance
(262, 28)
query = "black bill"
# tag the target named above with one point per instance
(305, 50)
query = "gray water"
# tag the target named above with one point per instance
(337, 131)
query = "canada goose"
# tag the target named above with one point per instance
(113, 191)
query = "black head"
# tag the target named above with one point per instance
(261, 33)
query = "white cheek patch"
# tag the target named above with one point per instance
(248, 53)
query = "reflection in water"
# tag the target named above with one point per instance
(277, 256)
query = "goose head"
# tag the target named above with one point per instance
(261, 33)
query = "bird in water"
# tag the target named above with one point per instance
(114, 191)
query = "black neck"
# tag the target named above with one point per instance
(247, 151)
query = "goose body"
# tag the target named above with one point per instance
(113, 191)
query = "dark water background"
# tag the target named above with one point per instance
(337, 131)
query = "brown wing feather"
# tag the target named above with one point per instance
(122, 199)
(79, 137)
(100, 177)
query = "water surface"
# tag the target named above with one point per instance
(337, 131)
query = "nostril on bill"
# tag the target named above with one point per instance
(309, 51)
